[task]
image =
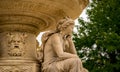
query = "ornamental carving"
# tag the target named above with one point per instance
(15, 69)
(16, 44)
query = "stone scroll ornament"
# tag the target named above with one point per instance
(16, 44)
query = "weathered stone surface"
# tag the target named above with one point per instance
(18, 52)
(18, 66)
(17, 44)
(37, 15)
(20, 23)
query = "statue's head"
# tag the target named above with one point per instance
(64, 23)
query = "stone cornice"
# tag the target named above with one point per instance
(41, 14)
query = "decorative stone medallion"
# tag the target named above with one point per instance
(16, 43)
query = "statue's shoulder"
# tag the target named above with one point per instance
(55, 35)
(51, 36)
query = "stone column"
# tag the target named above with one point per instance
(20, 23)
(17, 52)
(18, 43)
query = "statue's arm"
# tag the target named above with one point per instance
(71, 46)
(58, 48)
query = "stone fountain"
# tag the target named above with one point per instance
(21, 21)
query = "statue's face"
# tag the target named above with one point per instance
(69, 29)
(16, 43)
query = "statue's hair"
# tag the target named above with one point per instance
(62, 24)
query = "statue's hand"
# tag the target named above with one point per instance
(69, 38)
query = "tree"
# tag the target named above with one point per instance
(98, 39)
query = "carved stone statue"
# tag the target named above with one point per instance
(59, 54)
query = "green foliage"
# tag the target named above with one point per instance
(98, 39)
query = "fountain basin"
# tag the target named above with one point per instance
(37, 15)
